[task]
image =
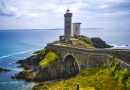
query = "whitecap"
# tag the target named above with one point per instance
(18, 53)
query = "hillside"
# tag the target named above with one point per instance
(92, 79)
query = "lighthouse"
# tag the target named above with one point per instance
(68, 32)
(67, 24)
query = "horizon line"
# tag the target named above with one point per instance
(62, 28)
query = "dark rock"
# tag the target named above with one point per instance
(26, 75)
(13, 77)
(99, 43)
(13, 63)
(4, 70)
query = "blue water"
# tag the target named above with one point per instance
(20, 44)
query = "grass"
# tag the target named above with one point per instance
(86, 40)
(48, 56)
(93, 79)
(88, 79)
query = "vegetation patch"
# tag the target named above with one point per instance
(93, 79)
(48, 56)
(88, 79)
(121, 76)
(86, 40)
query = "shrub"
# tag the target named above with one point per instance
(114, 67)
(104, 65)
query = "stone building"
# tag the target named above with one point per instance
(76, 29)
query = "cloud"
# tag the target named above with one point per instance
(41, 11)
(106, 9)
(124, 6)
(4, 10)
(11, 11)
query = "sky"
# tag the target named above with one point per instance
(49, 14)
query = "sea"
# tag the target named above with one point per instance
(21, 43)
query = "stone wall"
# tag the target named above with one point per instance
(86, 57)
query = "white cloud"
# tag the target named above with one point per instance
(51, 11)
(119, 13)
(15, 11)
(104, 6)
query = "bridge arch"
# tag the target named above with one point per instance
(70, 64)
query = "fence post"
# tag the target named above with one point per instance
(77, 86)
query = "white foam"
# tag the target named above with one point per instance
(120, 46)
(18, 53)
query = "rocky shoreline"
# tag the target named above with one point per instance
(27, 73)
(34, 72)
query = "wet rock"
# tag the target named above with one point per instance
(4, 70)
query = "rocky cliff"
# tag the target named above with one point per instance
(35, 71)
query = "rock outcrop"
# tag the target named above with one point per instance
(99, 43)
(4, 70)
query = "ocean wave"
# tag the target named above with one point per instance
(18, 53)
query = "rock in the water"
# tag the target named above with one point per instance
(4, 70)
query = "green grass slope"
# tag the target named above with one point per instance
(47, 56)
(93, 79)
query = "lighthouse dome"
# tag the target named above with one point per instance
(68, 11)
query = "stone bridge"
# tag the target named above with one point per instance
(78, 58)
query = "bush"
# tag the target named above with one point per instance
(114, 67)
(104, 65)
(122, 76)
